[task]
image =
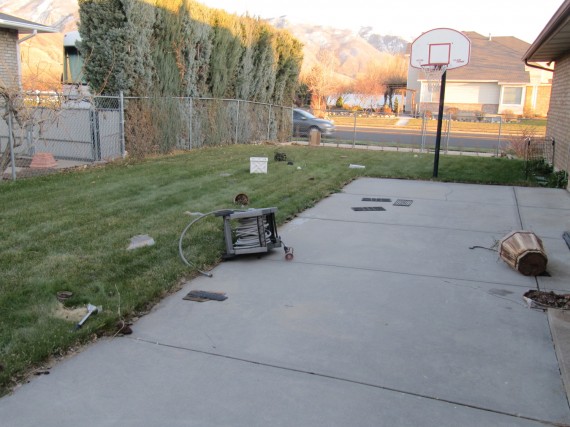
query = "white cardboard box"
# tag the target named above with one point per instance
(258, 164)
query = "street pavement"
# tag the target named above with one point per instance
(398, 317)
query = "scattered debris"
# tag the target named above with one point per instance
(524, 252)
(288, 252)
(62, 296)
(91, 309)
(225, 174)
(403, 202)
(542, 299)
(70, 314)
(201, 296)
(258, 164)
(290, 163)
(41, 372)
(483, 247)
(352, 166)
(241, 199)
(124, 328)
(280, 157)
(140, 241)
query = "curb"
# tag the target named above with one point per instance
(559, 321)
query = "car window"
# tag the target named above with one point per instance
(302, 114)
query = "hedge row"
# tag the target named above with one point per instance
(183, 48)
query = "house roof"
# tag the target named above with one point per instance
(554, 40)
(23, 26)
(495, 59)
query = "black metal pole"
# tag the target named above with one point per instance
(439, 124)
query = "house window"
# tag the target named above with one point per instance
(430, 94)
(512, 95)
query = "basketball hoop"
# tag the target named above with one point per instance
(432, 74)
(434, 52)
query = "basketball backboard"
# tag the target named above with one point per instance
(440, 47)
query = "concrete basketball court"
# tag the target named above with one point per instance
(384, 318)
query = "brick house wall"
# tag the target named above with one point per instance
(558, 125)
(9, 67)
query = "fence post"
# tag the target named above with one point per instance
(190, 123)
(122, 123)
(499, 138)
(269, 124)
(423, 137)
(11, 139)
(527, 158)
(237, 122)
(95, 140)
(354, 131)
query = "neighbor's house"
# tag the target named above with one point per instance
(495, 81)
(553, 46)
(11, 28)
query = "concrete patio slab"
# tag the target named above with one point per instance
(383, 318)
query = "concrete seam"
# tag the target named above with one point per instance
(347, 380)
(401, 225)
(405, 273)
(518, 208)
(562, 366)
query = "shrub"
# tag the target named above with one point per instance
(453, 112)
(517, 142)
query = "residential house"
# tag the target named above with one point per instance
(11, 28)
(553, 46)
(495, 81)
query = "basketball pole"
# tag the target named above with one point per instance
(439, 124)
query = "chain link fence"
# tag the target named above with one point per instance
(465, 133)
(40, 133)
(539, 156)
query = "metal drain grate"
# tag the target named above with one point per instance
(375, 199)
(403, 202)
(369, 208)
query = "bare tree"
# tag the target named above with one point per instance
(321, 80)
(381, 77)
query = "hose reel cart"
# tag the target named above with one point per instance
(256, 231)
(245, 232)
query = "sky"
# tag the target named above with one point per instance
(407, 19)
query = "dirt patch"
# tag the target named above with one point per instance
(71, 314)
(541, 299)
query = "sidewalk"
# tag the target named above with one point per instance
(384, 318)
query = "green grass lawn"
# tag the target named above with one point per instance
(69, 231)
(536, 126)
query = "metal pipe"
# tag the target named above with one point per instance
(269, 124)
(237, 121)
(499, 139)
(122, 123)
(439, 124)
(191, 107)
(354, 131)
(11, 139)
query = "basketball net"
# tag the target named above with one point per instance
(432, 74)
